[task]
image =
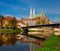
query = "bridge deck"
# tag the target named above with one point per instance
(25, 30)
(45, 25)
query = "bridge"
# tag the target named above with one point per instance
(44, 25)
(25, 29)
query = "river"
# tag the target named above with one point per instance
(13, 43)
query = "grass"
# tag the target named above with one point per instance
(50, 44)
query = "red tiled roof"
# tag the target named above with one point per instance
(8, 18)
(36, 18)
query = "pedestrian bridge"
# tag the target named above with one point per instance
(25, 29)
(44, 25)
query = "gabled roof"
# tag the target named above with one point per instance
(39, 15)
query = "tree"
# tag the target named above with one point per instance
(1, 20)
(14, 22)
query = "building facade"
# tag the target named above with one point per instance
(37, 19)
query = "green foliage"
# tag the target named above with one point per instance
(10, 31)
(50, 44)
(49, 49)
(51, 41)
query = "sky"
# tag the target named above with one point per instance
(21, 8)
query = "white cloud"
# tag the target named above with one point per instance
(56, 19)
(51, 11)
(15, 7)
(7, 15)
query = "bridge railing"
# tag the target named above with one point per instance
(25, 29)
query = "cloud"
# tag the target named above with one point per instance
(56, 19)
(18, 8)
(7, 15)
(51, 11)
(29, 3)
(14, 7)
(4, 4)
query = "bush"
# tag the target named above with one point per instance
(50, 44)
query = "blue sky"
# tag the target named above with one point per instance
(21, 8)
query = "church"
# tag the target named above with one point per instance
(36, 19)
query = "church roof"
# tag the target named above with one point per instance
(39, 15)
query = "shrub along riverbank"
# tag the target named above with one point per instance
(3, 31)
(52, 43)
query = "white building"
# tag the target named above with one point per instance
(20, 24)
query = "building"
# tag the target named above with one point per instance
(20, 24)
(6, 21)
(36, 19)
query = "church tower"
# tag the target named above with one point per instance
(31, 12)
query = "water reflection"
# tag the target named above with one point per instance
(13, 42)
(7, 39)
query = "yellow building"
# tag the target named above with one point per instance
(6, 21)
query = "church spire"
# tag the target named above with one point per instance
(31, 12)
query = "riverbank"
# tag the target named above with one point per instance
(5, 31)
